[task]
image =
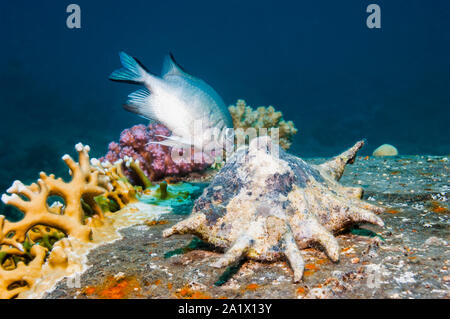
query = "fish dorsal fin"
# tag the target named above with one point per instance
(171, 67)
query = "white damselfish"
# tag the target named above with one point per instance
(188, 106)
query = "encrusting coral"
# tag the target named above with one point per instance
(244, 117)
(266, 204)
(154, 160)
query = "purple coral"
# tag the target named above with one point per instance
(155, 160)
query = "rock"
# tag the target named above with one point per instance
(385, 150)
(318, 293)
(119, 276)
(435, 241)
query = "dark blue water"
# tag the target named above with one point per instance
(314, 60)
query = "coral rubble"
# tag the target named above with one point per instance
(267, 207)
(154, 160)
(244, 117)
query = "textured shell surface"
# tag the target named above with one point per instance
(266, 204)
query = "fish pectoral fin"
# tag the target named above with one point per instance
(173, 141)
(139, 102)
(168, 137)
(170, 143)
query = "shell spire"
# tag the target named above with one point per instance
(336, 166)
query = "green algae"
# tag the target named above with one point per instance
(228, 273)
(163, 190)
(27, 244)
(87, 209)
(106, 204)
(145, 181)
(103, 202)
(3, 255)
(164, 194)
(364, 232)
(195, 243)
(48, 240)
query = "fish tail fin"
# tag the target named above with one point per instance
(132, 72)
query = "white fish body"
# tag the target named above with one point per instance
(178, 100)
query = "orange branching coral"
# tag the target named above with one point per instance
(22, 276)
(32, 201)
(118, 189)
(24, 244)
(246, 117)
(37, 242)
